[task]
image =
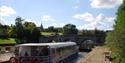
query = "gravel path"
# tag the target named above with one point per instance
(95, 56)
(5, 57)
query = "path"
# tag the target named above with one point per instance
(5, 57)
(95, 56)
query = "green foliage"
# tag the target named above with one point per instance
(51, 29)
(26, 32)
(4, 31)
(93, 32)
(29, 25)
(50, 33)
(6, 41)
(116, 38)
(70, 29)
(35, 35)
(19, 27)
(11, 32)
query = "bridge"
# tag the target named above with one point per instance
(79, 39)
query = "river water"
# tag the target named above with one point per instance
(81, 56)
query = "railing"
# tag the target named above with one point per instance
(34, 59)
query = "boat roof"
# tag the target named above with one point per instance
(51, 45)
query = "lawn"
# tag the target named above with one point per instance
(50, 33)
(7, 41)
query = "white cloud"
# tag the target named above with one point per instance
(6, 11)
(75, 7)
(2, 21)
(85, 16)
(47, 18)
(101, 22)
(105, 3)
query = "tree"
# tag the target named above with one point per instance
(99, 33)
(70, 29)
(4, 31)
(116, 38)
(19, 27)
(35, 35)
(29, 25)
(59, 30)
(88, 32)
(51, 29)
(31, 32)
(1, 25)
(12, 31)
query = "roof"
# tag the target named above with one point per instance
(51, 45)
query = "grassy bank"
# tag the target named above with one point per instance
(7, 41)
(50, 33)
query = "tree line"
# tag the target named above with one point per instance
(24, 31)
(116, 38)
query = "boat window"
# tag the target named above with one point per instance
(17, 51)
(24, 51)
(40, 51)
(34, 51)
(26, 54)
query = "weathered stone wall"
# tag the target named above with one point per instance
(75, 38)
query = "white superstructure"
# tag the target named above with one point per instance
(51, 45)
(58, 52)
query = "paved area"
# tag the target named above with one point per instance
(5, 57)
(95, 56)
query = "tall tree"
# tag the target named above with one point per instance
(4, 31)
(19, 27)
(35, 35)
(31, 32)
(116, 38)
(12, 33)
(29, 25)
(70, 29)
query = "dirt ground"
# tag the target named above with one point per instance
(95, 56)
(5, 57)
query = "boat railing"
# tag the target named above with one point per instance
(34, 59)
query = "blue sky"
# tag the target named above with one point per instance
(85, 14)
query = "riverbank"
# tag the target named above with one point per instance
(5, 57)
(95, 56)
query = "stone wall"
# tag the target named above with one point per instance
(75, 38)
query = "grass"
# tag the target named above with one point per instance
(50, 33)
(7, 41)
(12, 40)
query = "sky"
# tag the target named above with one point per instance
(85, 14)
